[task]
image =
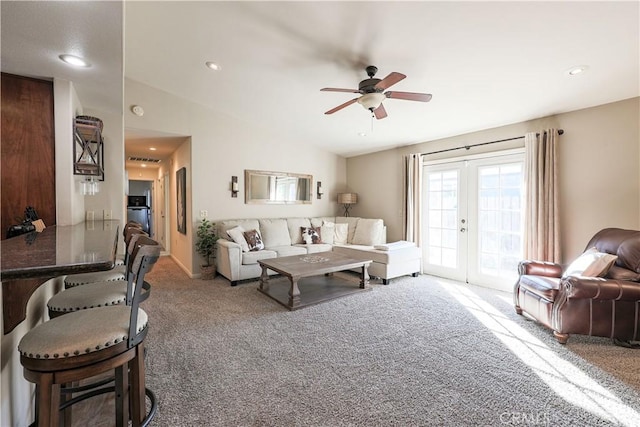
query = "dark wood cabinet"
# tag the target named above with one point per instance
(27, 157)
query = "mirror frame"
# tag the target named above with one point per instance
(249, 199)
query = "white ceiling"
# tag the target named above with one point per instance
(487, 64)
(35, 33)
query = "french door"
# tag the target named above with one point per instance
(473, 219)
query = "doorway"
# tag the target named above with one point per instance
(474, 218)
(140, 204)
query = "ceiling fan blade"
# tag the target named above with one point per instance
(341, 106)
(333, 89)
(390, 80)
(409, 96)
(380, 112)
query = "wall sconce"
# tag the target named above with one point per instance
(346, 200)
(319, 189)
(234, 186)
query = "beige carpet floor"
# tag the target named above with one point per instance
(418, 352)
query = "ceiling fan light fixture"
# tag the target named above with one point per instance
(371, 101)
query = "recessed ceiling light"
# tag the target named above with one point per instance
(143, 165)
(579, 69)
(74, 60)
(152, 148)
(213, 66)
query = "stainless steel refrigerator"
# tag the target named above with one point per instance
(138, 210)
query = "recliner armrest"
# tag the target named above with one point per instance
(600, 289)
(540, 268)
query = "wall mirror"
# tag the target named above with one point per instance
(262, 187)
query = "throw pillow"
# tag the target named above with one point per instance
(591, 264)
(237, 235)
(311, 235)
(254, 240)
(341, 231)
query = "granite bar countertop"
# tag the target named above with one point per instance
(57, 250)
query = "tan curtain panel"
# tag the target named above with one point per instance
(412, 223)
(541, 233)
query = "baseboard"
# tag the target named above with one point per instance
(185, 269)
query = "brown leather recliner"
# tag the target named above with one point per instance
(606, 306)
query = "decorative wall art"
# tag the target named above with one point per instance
(181, 191)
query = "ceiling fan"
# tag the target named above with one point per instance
(372, 91)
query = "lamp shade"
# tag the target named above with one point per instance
(347, 198)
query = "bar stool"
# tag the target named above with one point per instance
(116, 273)
(97, 294)
(86, 343)
(120, 259)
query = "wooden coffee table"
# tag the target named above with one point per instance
(318, 282)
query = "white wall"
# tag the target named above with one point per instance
(69, 199)
(111, 194)
(17, 393)
(598, 171)
(222, 146)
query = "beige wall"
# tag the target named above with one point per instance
(221, 147)
(599, 171)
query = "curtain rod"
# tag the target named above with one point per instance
(467, 147)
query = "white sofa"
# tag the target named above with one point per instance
(283, 237)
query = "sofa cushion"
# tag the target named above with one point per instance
(274, 232)
(591, 264)
(320, 247)
(620, 273)
(629, 253)
(288, 250)
(254, 240)
(340, 233)
(237, 235)
(249, 258)
(311, 235)
(368, 232)
(319, 221)
(399, 255)
(294, 225)
(352, 221)
(327, 233)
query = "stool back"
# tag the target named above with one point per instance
(128, 236)
(146, 252)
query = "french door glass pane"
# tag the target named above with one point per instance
(500, 219)
(442, 189)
